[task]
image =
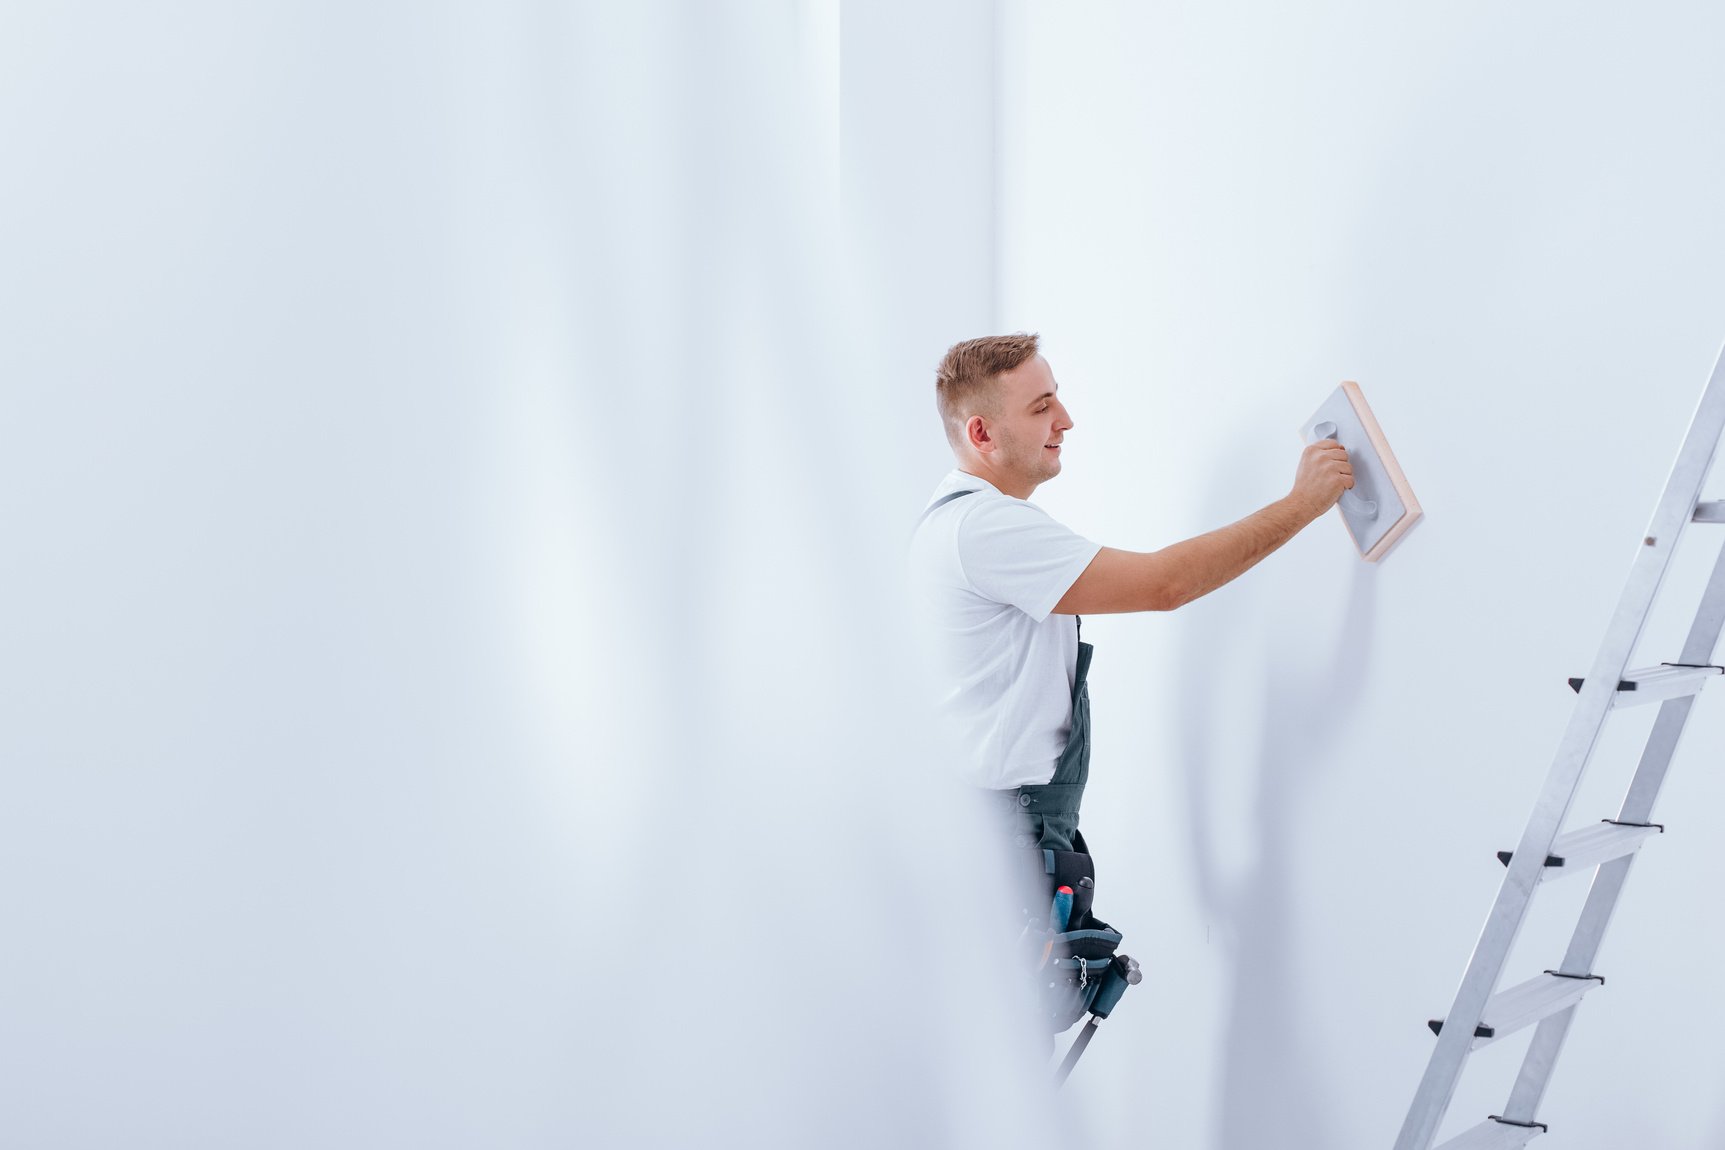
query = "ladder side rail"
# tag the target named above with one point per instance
(1548, 1037)
(1671, 515)
(1682, 497)
(1502, 926)
(1584, 944)
(1491, 952)
(1698, 647)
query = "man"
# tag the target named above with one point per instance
(1001, 578)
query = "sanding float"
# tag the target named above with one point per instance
(1380, 507)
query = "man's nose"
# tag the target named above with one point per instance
(1064, 419)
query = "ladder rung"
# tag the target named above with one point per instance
(1655, 684)
(1522, 1006)
(1713, 512)
(1586, 848)
(1493, 1135)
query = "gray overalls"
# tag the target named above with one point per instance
(1045, 816)
(1048, 813)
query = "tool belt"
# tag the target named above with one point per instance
(1077, 969)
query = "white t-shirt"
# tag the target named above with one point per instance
(989, 569)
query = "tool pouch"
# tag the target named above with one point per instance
(1073, 967)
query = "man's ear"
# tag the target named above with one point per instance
(976, 434)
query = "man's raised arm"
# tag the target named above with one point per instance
(1162, 580)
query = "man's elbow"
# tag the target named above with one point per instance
(1166, 597)
(1118, 581)
(1165, 588)
(1166, 584)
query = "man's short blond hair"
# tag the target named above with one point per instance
(964, 382)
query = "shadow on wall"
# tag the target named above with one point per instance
(1716, 1138)
(1267, 1089)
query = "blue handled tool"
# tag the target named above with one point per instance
(1060, 914)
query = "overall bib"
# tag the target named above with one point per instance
(1048, 812)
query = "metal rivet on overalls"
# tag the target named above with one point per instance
(1023, 800)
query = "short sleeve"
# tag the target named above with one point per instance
(1014, 552)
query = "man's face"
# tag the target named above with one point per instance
(1031, 424)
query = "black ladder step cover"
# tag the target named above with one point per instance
(1622, 684)
(1480, 1031)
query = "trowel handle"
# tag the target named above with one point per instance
(1351, 503)
(1364, 508)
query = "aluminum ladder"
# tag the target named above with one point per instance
(1482, 1014)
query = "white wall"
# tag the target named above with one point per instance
(920, 192)
(1504, 222)
(449, 492)
(452, 690)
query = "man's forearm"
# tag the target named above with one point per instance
(1197, 566)
(1174, 576)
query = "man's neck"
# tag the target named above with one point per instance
(1006, 485)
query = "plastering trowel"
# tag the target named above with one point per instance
(1380, 507)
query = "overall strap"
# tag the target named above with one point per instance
(942, 502)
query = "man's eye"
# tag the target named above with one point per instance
(1042, 409)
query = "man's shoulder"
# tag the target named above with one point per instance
(957, 493)
(955, 481)
(975, 514)
(994, 510)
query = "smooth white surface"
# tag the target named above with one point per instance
(450, 595)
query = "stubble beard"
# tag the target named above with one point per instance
(1035, 466)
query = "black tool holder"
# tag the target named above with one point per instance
(1077, 969)
(1122, 972)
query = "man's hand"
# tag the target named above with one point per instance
(1323, 475)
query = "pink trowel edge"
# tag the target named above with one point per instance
(1399, 481)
